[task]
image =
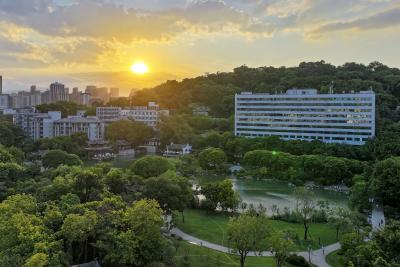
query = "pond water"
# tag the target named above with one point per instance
(279, 193)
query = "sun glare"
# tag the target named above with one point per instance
(139, 68)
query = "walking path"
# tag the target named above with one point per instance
(377, 217)
(317, 256)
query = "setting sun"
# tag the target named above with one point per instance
(139, 68)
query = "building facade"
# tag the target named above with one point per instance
(304, 114)
(36, 125)
(108, 114)
(58, 92)
(90, 125)
(5, 101)
(149, 115)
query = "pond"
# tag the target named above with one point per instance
(279, 193)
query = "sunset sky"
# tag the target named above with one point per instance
(82, 42)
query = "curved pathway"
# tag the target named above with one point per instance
(317, 256)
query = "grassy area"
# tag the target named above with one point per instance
(334, 259)
(197, 256)
(212, 228)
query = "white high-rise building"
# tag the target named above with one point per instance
(304, 114)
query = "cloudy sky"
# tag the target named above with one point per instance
(81, 42)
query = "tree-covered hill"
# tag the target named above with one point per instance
(217, 90)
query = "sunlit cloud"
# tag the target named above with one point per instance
(59, 36)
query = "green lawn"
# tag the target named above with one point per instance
(204, 257)
(334, 259)
(212, 227)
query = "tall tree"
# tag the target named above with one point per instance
(247, 233)
(305, 207)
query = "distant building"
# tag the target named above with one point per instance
(200, 110)
(36, 125)
(5, 101)
(176, 150)
(75, 95)
(90, 125)
(79, 98)
(149, 115)
(304, 114)
(58, 92)
(97, 94)
(85, 99)
(1, 85)
(45, 97)
(108, 114)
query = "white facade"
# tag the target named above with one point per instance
(90, 125)
(306, 115)
(174, 150)
(36, 125)
(149, 115)
(108, 114)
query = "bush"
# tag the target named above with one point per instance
(298, 261)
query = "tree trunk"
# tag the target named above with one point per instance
(337, 234)
(305, 230)
(183, 217)
(86, 250)
(242, 258)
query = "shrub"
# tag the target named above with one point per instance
(298, 261)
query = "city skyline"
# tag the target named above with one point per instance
(55, 40)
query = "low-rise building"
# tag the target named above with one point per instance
(176, 150)
(91, 125)
(108, 114)
(36, 125)
(149, 115)
(200, 110)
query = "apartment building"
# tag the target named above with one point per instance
(35, 125)
(304, 114)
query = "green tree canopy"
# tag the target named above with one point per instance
(151, 166)
(54, 158)
(136, 133)
(212, 159)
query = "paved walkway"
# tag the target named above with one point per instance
(377, 217)
(317, 256)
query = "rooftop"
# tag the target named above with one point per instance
(307, 91)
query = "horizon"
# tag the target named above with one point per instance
(46, 40)
(124, 92)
